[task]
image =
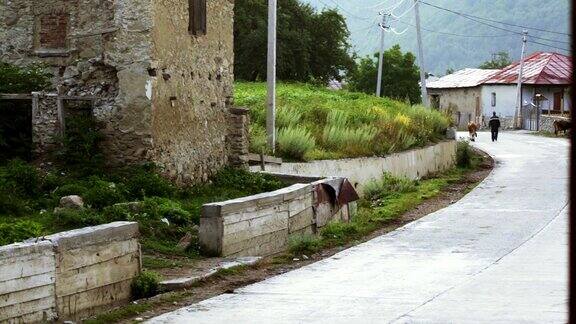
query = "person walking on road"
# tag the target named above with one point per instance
(494, 124)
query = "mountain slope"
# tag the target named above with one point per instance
(448, 51)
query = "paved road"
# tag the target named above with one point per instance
(499, 255)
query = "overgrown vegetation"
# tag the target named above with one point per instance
(137, 193)
(316, 123)
(146, 284)
(15, 79)
(384, 201)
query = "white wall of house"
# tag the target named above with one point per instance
(505, 103)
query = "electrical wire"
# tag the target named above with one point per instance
(492, 20)
(452, 34)
(405, 12)
(552, 46)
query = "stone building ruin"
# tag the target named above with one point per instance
(159, 74)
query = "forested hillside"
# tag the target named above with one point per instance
(449, 51)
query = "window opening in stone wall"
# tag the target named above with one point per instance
(493, 99)
(15, 129)
(53, 31)
(435, 101)
(197, 17)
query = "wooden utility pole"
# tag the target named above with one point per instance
(271, 77)
(420, 56)
(518, 113)
(381, 58)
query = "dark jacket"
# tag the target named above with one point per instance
(494, 123)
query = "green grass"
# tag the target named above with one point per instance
(340, 123)
(119, 314)
(396, 197)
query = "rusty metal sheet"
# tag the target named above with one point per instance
(347, 193)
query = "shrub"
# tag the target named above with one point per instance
(303, 244)
(11, 204)
(80, 149)
(103, 193)
(15, 79)
(351, 141)
(157, 208)
(21, 177)
(70, 189)
(295, 142)
(240, 179)
(142, 183)
(145, 285)
(464, 154)
(258, 142)
(19, 231)
(74, 218)
(387, 186)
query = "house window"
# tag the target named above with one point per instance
(53, 31)
(197, 17)
(493, 99)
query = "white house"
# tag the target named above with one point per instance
(547, 74)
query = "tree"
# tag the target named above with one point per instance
(310, 45)
(449, 71)
(499, 60)
(400, 75)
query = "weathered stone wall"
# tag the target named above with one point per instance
(262, 224)
(192, 89)
(413, 164)
(462, 102)
(45, 122)
(27, 276)
(69, 275)
(93, 49)
(547, 122)
(238, 136)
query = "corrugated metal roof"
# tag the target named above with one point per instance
(465, 78)
(539, 68)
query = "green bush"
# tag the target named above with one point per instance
(303, 244)
(464, 154)
(157, 208)
(287, 117)
(75, 218)
(80, 145)
(11, 204)
(295, 142)
(19, 231)
(70, 189)
(145, 285)
(149, 184)
(15, 79)
(240, 179)
(103, 193)
(351, 141)
(21, 178)
(388, 185)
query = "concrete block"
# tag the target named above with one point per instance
(210, 235)
(260, 246)
(116, 231)
(301, 220)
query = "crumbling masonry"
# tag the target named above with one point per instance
(160, 72)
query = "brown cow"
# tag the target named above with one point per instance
(472, 128)
(561, 126)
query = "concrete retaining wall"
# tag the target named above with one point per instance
(69, 275)
(413, 164)
(261, 225)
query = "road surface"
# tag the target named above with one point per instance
(499, 255)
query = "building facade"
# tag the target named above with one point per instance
(160, 73)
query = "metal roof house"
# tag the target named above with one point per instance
(544, 73)
(460, 95)
(473, 94)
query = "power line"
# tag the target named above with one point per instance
(552, 46)
(453, 34)
(492, 20)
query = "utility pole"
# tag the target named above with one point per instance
(271, 77)
(518, 113)
(381, 59)
(420, 56)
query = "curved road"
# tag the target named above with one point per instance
(499, 255)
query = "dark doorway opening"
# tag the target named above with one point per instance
(15, 129)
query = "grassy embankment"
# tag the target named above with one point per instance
(315, 123)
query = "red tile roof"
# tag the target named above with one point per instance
(539, 68)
